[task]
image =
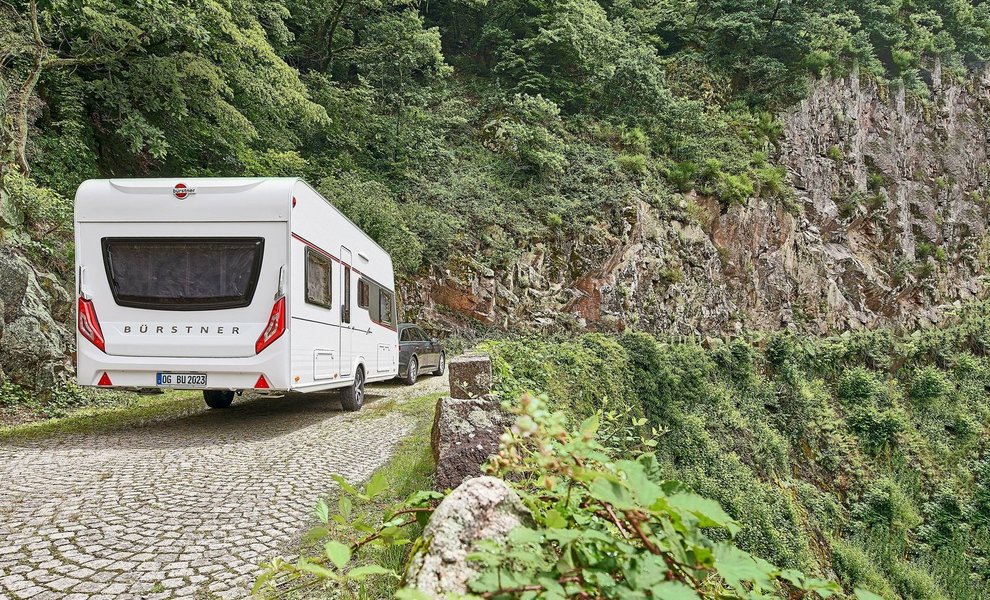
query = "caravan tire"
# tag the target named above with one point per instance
(412, 371)
(218, 398)
(351, 398)
(442, 364)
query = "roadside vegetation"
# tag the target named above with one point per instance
(585, 502)
(855, 465)
(864, 457)
(409, 469)
(70, 409)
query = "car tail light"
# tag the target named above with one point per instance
(275, 327)
(89, 325)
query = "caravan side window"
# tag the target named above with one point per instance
(318, 279)
(385, 306)
(364, 294)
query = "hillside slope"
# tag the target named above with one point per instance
(864, 458)
(688, 167)
(884, 222)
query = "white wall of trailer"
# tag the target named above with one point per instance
(326, 351)
(317, 351)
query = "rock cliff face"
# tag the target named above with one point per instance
(887, 226)
(36, 335)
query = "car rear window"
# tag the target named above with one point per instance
(183, 273)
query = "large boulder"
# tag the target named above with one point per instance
(483, 508)
(34, 346)
(465, 434)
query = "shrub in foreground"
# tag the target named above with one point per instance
(602, 527)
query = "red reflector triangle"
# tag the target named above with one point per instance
(261, 384)
(105, 380)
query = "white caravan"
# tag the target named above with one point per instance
(228, 285)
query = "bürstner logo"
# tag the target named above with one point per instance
(180, 191)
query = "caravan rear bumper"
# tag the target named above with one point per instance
(222, 373)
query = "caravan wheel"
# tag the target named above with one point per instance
(351, 398)
(218, 398)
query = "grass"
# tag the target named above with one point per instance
(133, 409)
(409, 470)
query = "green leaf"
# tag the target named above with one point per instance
(862, 594)
(339, 554)
(315, 569)
(612, 492)
(642, 487)
(525, 535)
(673, 590)
(707, 511)
(423, 498)
(316, 533)
(590, 426)
(350, 489)
(322, 511)
(344, 506)
(361, 573)
(736, 566)
(377, 485)
(555, 520)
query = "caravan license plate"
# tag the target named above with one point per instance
(187, 380)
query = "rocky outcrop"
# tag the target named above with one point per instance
(35, 339)
(886, 224)
(483, 508)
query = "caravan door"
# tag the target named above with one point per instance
(346, 330)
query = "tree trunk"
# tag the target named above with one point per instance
(19, 124)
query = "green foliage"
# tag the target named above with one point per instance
(58, 401)
(477, 119)
(601, 526)
(372, 208)
(870, 445)
(580, 377)
(523, 134)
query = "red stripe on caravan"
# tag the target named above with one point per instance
(334, 258)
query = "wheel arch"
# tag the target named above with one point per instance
(359, 363)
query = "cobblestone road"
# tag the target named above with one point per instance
(185, 508)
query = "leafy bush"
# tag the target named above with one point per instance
(528, 134)
(880, 425)
(601, 527)
(579, 376)
(372, 208)
(633, 163)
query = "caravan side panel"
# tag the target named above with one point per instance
(333, 332)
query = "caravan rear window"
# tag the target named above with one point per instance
(183, 273)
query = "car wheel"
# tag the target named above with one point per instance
(218, 398)
(442, 365)
(351, 398)
(412, 371)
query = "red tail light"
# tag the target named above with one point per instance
(262, 383)
(89, 325)
(275, 327)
